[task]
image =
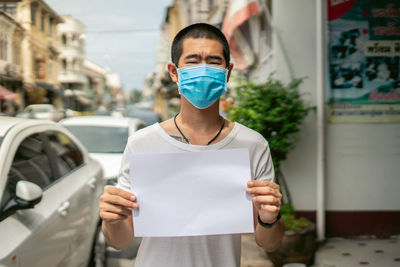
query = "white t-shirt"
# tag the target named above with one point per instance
(202, 251)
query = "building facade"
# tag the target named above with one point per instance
(96, 78)
(343, 171)
(11, 35)
(40, 51)
(114, 84)
(71, 32)
(360, 159)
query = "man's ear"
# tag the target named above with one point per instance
(230, 67)
(173, 72)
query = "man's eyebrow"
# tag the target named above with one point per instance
(197, 56)
(191, 56)
(214, 57)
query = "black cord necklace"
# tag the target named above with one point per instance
(187, 140)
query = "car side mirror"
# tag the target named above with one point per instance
(27, 195)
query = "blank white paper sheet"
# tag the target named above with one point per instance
(191, 193)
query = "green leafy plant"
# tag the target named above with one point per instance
(293, 223)
(275, 110)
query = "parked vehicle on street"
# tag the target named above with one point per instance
(146, 115)
(49, 197)
(105, 138)
(41, 111)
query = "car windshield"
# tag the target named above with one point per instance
(39, 110)
(148, 116)
(101, 139)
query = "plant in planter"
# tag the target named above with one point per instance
(299, 241)
(276, 111)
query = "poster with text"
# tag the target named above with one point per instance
(363, 64)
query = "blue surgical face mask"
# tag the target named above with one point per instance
(202, 84)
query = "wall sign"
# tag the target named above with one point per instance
(364, 52)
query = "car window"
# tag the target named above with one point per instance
(66, 153)
(42, 159)
(99, 139)
(30, 163)
(41, 110)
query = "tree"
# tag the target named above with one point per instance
(135, 96)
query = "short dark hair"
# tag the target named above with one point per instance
(199, 30)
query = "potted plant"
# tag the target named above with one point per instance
(276, 110)
(299, 241)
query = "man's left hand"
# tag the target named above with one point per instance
(267, 199)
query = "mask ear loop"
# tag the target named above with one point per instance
(226, 79)
(177, 83)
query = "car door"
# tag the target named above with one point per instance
(59, 230)
(83, 184)
(37, 236)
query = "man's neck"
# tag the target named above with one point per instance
(200, 120)
(198, 126)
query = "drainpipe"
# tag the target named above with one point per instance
(320, 84)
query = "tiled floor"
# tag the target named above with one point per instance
(336, 252)
(360, 251)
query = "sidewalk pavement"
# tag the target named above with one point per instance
(359, 251)
(252, 254)
(336, 252)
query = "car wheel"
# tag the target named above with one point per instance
(99, 249)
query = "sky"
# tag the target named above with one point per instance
(129, 53)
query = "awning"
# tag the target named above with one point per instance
(9, 78)
(7, 95)
(47, 86)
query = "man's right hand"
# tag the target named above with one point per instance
(116, 204)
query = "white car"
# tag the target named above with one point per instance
(105, 138)
(41, 111)
(49, 193)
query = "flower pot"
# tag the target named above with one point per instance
(296, 247)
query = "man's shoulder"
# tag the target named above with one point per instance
(247, 133)
(147, 133)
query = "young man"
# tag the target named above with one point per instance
(201, 67)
